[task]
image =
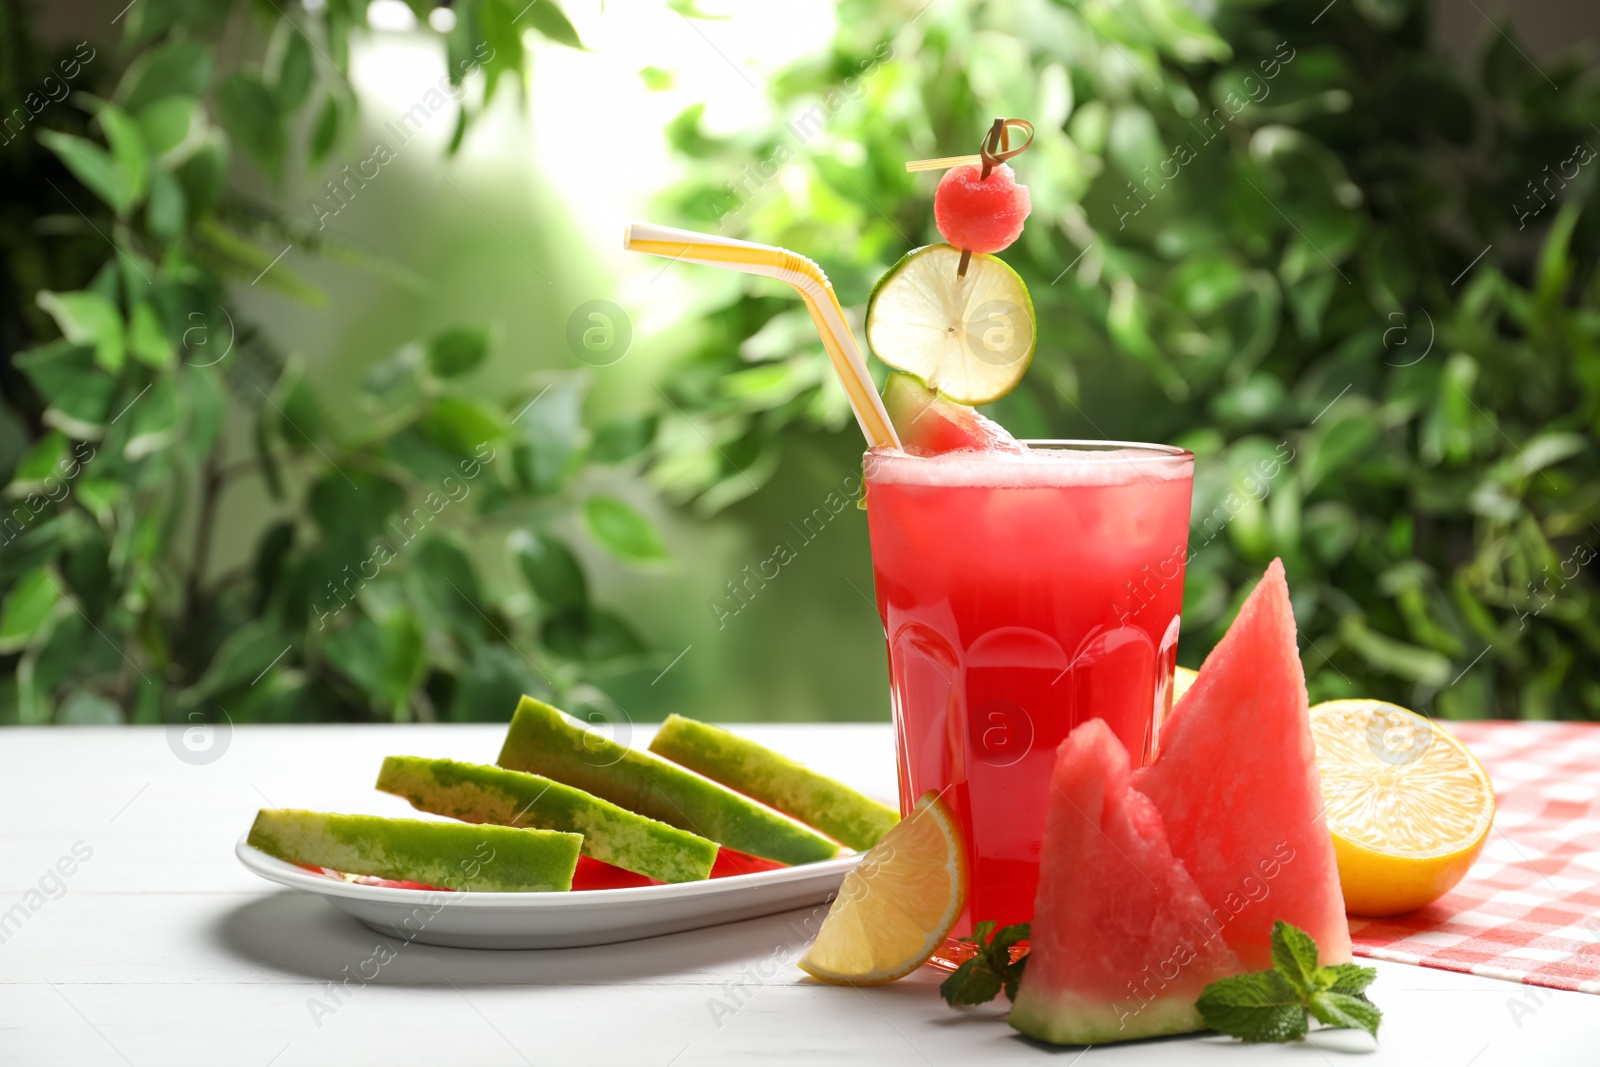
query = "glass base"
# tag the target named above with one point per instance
(952, 954)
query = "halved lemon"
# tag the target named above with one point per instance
(970, 337)
(1408, 805)
(898, 904)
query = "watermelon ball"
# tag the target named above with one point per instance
(980, 215)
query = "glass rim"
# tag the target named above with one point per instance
(1147, 449)
(1144, 451)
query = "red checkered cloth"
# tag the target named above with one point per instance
(1529, 910)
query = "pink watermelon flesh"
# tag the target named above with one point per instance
(930, 425)
(1119, 948)
(1236, 784)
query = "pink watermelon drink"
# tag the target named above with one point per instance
(1023, 593)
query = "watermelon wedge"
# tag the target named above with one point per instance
(1153, 889)
(1236, 784)
(1118, 949)
(929, 424)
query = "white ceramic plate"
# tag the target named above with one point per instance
(559, 920)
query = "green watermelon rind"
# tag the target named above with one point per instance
(776, 780)
(1068, 1018)
(544, 740)
(451, 855)
(483, 794)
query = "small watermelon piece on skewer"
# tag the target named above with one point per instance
(978, 214)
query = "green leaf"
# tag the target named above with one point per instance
(128, 153)
(551, 569)
(47, 458)
(982, 978)
(78, 394)
(552, 22)
(241, 659)
(147, 338)
(208, 407)
(462, 425)
(1254, 1007)
(448, 588)
(622, 531)
(971, 983)
(99, 497)
(87, 318)
(292, 80)
(250, 113)
(385, 661)
(179, 67)
(355, 505)
(272, 557)
(590, 634)
(165, 213)
(86, 569)
(173, 128)
(27, 609)
(1349, 978)
(657, 80)
(91, 165)
(1340, 444)
(455, 352)
(1344, 1009)
(488, 690)
(548, 431)
(299, 415)
(424, 459)
(201, 175)
(1294, 955)
(1384, 653)
(1009, 936)
(326, 131)
(155, 420)
(623, 438)
(497, 20)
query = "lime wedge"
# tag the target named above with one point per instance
(971, 337)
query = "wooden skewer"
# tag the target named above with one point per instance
(996, 150)
(942, 163)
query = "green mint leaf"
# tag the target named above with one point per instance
(1294, 955)
(1013, 977)
(971, 983)
(980, 933)
(1010, 935)
(981, 978)
(1254, 1007)
(1345, 978)
(1344, 1009)
(1000, 957)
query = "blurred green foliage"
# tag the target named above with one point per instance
(1265, 233)
(1274, 232)
(368, 596)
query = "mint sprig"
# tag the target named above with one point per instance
(981, 978)
(1277, 1005)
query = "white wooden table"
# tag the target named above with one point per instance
(159, 949)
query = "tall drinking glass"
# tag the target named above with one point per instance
(1022, 594)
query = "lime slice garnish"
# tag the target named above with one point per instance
(971, 337)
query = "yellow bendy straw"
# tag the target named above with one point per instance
(812, 285)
